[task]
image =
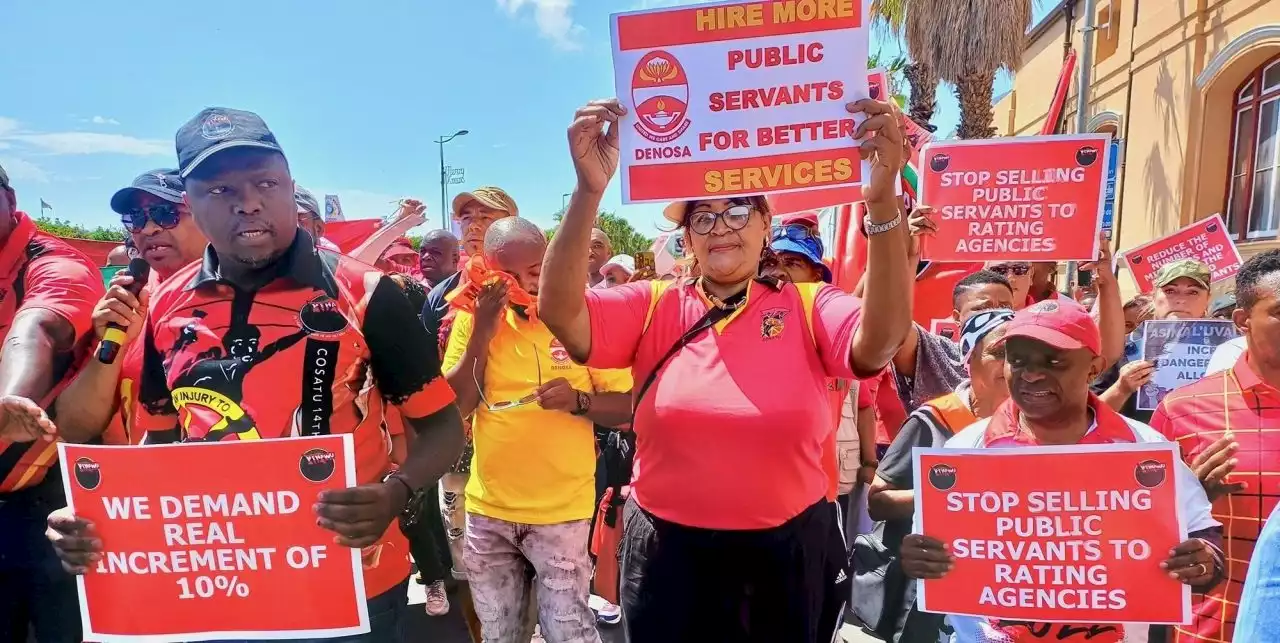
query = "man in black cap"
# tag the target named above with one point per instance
(261, 280)
(47, 293)
(101, 401)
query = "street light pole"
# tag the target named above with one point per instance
(444, 179)
(564, 201)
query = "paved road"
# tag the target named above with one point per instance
(421, 628)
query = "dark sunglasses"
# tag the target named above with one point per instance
(165, 215)
(735, 217)
(1016, 269)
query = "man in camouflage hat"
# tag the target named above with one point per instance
(1181, 292)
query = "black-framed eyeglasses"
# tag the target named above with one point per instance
(735, 217)
(166, 215)
(1015, 269)
(507, 405)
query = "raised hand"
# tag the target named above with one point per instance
(593, 142)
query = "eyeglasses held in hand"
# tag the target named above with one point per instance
(735, 217)
(494, 407)
(165, 215)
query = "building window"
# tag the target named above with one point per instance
(1253, 197)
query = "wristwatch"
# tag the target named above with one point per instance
(413, 500)
(873, 229)
(584, 404)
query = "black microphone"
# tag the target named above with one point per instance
(113, 338)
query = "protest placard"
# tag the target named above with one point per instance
(1180, 350)
(1035, 539)
(217, 540)
(739, 98)
(1206, 240)
(945, 328)
(1032, 198)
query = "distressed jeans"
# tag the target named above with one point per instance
(498, 557)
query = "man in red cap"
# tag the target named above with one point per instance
(1053, 351)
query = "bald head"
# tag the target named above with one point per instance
(600, 251)
(515, 246)
(438, 256)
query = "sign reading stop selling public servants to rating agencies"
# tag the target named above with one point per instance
(1032, 198)
(1054, 534)
(739, 98)
(215, 540)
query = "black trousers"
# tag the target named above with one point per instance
(787, 584)
(36, 595)
(426, 539)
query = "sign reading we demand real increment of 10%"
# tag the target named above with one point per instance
(739, 98)
(212, 538)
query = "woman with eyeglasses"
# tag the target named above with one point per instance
(102, 400)
(728, 532)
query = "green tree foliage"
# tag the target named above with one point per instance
(63, 228)
(625, 239)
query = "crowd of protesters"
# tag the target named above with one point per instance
(513, 400)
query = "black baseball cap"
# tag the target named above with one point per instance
(216, 129)
(163, 183)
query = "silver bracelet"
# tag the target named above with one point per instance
(873, 229)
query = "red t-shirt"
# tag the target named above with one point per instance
(39, 270)
(932, 297)
(732, 434)
(881, 393)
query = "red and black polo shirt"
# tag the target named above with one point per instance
(300, 356)
(40, 271)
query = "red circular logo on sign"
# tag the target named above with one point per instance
(660, 93)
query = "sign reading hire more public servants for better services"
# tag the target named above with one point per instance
(208, 540)
(1030, 198)
(739, 98)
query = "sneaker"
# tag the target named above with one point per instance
(437, 599)
(606, 613)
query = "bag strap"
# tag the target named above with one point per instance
(711, 318)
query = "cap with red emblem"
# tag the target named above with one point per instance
(1060, 323)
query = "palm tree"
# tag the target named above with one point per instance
(892, 16)
(965, 42)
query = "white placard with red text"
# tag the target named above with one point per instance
(739, 98)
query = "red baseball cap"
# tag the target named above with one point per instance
(808, 217)
(1060, 323)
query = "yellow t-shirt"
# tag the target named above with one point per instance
(531, 465)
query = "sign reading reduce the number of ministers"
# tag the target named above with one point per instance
(1034, 198)
(1035, 540)
(216, 540)
(739, 98)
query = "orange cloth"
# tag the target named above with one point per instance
(475, 275)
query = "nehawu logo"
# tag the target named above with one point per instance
(317, 465)
(88, 473)
(942, 476)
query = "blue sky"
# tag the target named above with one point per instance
(356, 93)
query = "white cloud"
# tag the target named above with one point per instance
(553, 20)
(91, 143)
(103, 120)
(23, 171)
(7, 125)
